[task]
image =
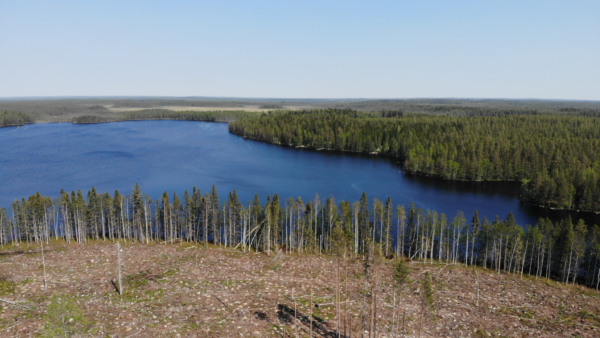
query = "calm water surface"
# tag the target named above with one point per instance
(177, 155)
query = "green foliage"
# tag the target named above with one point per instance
(137, 280)
(400, 274)
(7, 287)
(427, 294)
(339, 239)
(14, 119)
(560, 250)
(170, 272)
(554, 156)
(64, 318)
(91, 119)
(164, 114)
(271, 106)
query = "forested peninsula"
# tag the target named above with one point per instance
(555, 156)
(549, 147)
(11, 119)
(563, 251)
(164, 114)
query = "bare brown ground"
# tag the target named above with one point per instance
(186, 290)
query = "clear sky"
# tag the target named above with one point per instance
(301, 49)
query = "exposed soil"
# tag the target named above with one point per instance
(186, 290)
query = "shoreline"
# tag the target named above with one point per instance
(403, 171)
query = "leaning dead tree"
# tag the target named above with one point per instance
(17, 304)
(119, 267)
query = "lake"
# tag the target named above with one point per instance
(177, 155)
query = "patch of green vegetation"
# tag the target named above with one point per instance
(589, 316)
(137, 280)
(27, 281)
(589, 293)
(154, 294)
(64, 318)
(7, 287)
(440, 285)
(480, 333)
(586, 314)
(522, 313)
(498, 332)
(227, 283)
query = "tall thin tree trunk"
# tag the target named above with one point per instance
(119, 266)
(44, 266)
(311, 296)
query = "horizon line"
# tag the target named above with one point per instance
(188, 97)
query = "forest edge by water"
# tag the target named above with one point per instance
(560, 250)
(470, 143)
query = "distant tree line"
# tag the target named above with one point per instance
(151, 103)
(271, 106)
(164, 114)
(472, 107)
(8, 119)
(555, 157)
(489, 111)
(563, 251)
(64, 110)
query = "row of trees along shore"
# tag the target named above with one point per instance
(561, 250)
(555, 156)
(165, 114)
(8, 119)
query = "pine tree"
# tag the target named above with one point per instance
(427, 301)
(400, 276)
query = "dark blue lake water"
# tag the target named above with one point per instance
(177, 155)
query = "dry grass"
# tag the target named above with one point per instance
(186, 290)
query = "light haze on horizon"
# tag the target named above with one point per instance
(308, 49)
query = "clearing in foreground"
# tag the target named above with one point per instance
(185, 290)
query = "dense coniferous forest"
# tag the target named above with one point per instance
(65, 109)
(163, 114)
(470, 107)
(8, 119)
(555, 156)
(564, 251)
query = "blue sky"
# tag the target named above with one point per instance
(301, 49)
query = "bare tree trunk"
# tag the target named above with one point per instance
(119, 265)
(566, 279)
(311, 297)
(295, 313)
(393, 315)
(338, 294)
(44, 265)
(146, 219)
(206, 224)
(345, 289)
(421, 316)
(171, 222)
(524, 256)
(403, 321)
(373, 314)
(467, 249)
